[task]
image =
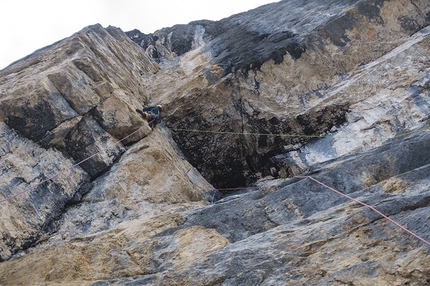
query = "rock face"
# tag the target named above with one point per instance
(67, 112)
(270, 71)
(335, 90)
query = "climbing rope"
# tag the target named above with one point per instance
(233, 189)
(189, 130)
(294, 135)
(368, 206)
(67, 169)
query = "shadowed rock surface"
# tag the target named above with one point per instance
(336, 90)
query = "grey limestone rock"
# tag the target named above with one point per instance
(263, 101)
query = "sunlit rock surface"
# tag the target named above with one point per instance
(336, 90)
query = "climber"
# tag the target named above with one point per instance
(152, 114)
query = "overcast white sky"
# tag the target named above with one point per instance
(27, 25)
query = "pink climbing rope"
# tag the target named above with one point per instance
(60, 172)
(366, 205)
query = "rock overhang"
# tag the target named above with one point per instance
(118, 214)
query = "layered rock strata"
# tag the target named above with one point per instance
(271, 71)
(67, 112)
(336, 90)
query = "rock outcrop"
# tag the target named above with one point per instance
(336, 90)
(68, 112)
(271, 71)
